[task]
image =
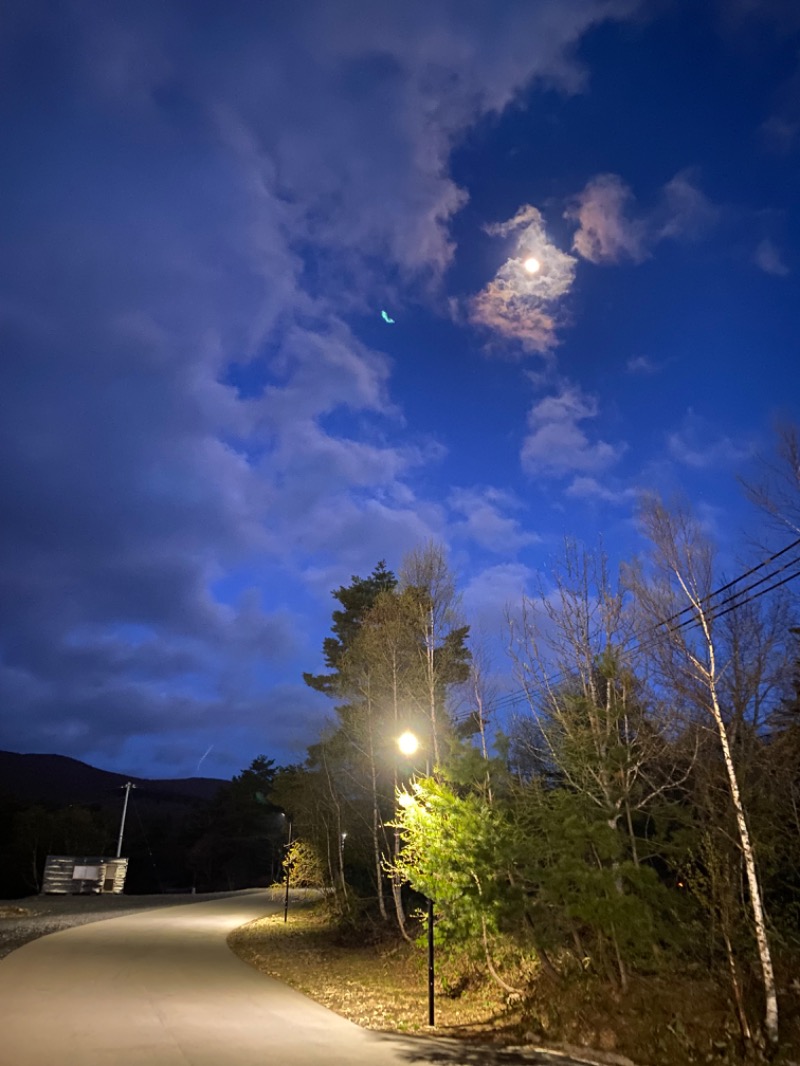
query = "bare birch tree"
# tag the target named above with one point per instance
(442, 654)
(386, 648)
(777, 491)
(684, 634)
(573, 654)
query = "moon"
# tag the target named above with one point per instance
(532, 265)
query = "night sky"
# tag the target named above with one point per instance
(207, 423)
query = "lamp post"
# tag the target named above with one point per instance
(288, 846)
(409, 745)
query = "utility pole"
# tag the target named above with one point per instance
(127, 786)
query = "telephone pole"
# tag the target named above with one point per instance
(127, 786)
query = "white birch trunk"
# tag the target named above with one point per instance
(756, 905)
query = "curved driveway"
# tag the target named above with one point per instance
(162, 988)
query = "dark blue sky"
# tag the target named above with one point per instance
(206, 423)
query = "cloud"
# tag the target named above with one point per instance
(611, 229)
(484, 521)
(769, 259)
(685, 212)
(696, 444)
(606, 233)
(494, 590)
(557, 444)
(589, 488)
(185, 404)
(520, 305)
(642, 365)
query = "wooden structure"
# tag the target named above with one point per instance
(78, 875)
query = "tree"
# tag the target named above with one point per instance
(596, 725)
(479, 693)
(237, 841)
(393, 655)
(442, 653)
(777, 493)
(383, 656)
(37, 832)
(349, 756)
(595, 746)
(357, 599)
(682, 571)
(457, 851)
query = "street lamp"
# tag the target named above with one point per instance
(408, 745)
(288, 846)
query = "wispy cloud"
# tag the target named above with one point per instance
(589, 488)
(698, 445)
(557, 444)
(611, 228)
(642, 365)
(607, 232)
(520, 304)
(491, 592)
(684, 211)
(768, 258)
(484, 519)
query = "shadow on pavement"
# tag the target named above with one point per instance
(450, 1052)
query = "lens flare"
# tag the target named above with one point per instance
(407, 743)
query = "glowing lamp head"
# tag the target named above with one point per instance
(407, 743)
(532, 265)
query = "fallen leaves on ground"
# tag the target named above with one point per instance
(377, 985)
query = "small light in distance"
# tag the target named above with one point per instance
(532, 265)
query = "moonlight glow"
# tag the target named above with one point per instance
(532, 265)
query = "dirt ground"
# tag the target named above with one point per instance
(379, 985)
(676, 1020)
(384, 985)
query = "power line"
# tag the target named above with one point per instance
(763, 592)
(735, 581)
(736, 595)
(692, 622)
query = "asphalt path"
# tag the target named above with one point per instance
(162, 988)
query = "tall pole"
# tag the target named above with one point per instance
(286, 897)
(128, 786)
(431, 1021)
(408, 745)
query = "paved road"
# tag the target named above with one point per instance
(162, 988)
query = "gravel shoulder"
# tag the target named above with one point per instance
(23, 920)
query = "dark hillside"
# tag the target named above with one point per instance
(59, 780)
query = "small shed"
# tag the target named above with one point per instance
(79, 875)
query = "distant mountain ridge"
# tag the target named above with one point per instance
(60, 780)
